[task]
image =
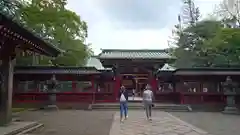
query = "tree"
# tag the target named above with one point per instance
(58, 24)
(224, 47)
(190, 13)
(190, 51)
(209, 43)
(10, 7)
(184, 39)
(228, 11)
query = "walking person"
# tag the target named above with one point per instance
(133, 94)
(148, 101)
(123, 95)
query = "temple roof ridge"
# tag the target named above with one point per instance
(132, 50)
(167, 67)
(135, 54)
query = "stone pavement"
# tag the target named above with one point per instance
(214, 122)
(163, 123)
(71, 122)
(18, 127)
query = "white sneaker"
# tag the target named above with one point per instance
(122, 120)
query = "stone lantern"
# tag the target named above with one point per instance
(52, 85)
(229, 89)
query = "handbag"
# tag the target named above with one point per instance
(153, 105)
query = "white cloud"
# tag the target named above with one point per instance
(105, 34)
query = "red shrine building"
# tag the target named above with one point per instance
(100, 80)
(134, 69)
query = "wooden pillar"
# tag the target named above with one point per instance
(154, 84)
(6, 71)
(93, 90)
(117, 79)
(153, 81)
(117, 86)
(136, 85)
(93, 84)
(74, 86)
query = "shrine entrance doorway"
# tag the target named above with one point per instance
(141, 84)
(135, 82)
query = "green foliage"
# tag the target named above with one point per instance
(10, 7)
(207, 43)
(62, 26)
(226, 48)
(185, 36)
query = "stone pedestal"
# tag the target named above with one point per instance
(6, 71)
(52, 102)
(231, 107)
(52, 97)
(231, 110)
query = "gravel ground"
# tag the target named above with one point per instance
(214, 123)
(71, 122)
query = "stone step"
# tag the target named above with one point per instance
(139, 106)
(30, 130)
(19, 128)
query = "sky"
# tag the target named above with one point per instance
(132, 24)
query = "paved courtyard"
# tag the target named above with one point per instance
(78, 122)
(163, 123)
(71, 122)
(215, 123)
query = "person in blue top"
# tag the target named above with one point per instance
(123, 98)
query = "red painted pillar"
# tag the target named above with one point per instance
(74, 83)
(182, 98)
(74, 86)
(93, 84)
(117, 87)
(93, 90)
(154, 84)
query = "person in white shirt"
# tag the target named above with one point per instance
(148, 101)
(123, 97)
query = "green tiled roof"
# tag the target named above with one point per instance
(134, 54)
(95, 62)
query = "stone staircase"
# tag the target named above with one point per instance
(138, 106)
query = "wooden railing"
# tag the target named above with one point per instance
(87, 97)
(168, 97)
(105, 97)
(192, 97)
(90, 97)
(202, 98)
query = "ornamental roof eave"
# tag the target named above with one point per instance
(55, 70)
(16, 26)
